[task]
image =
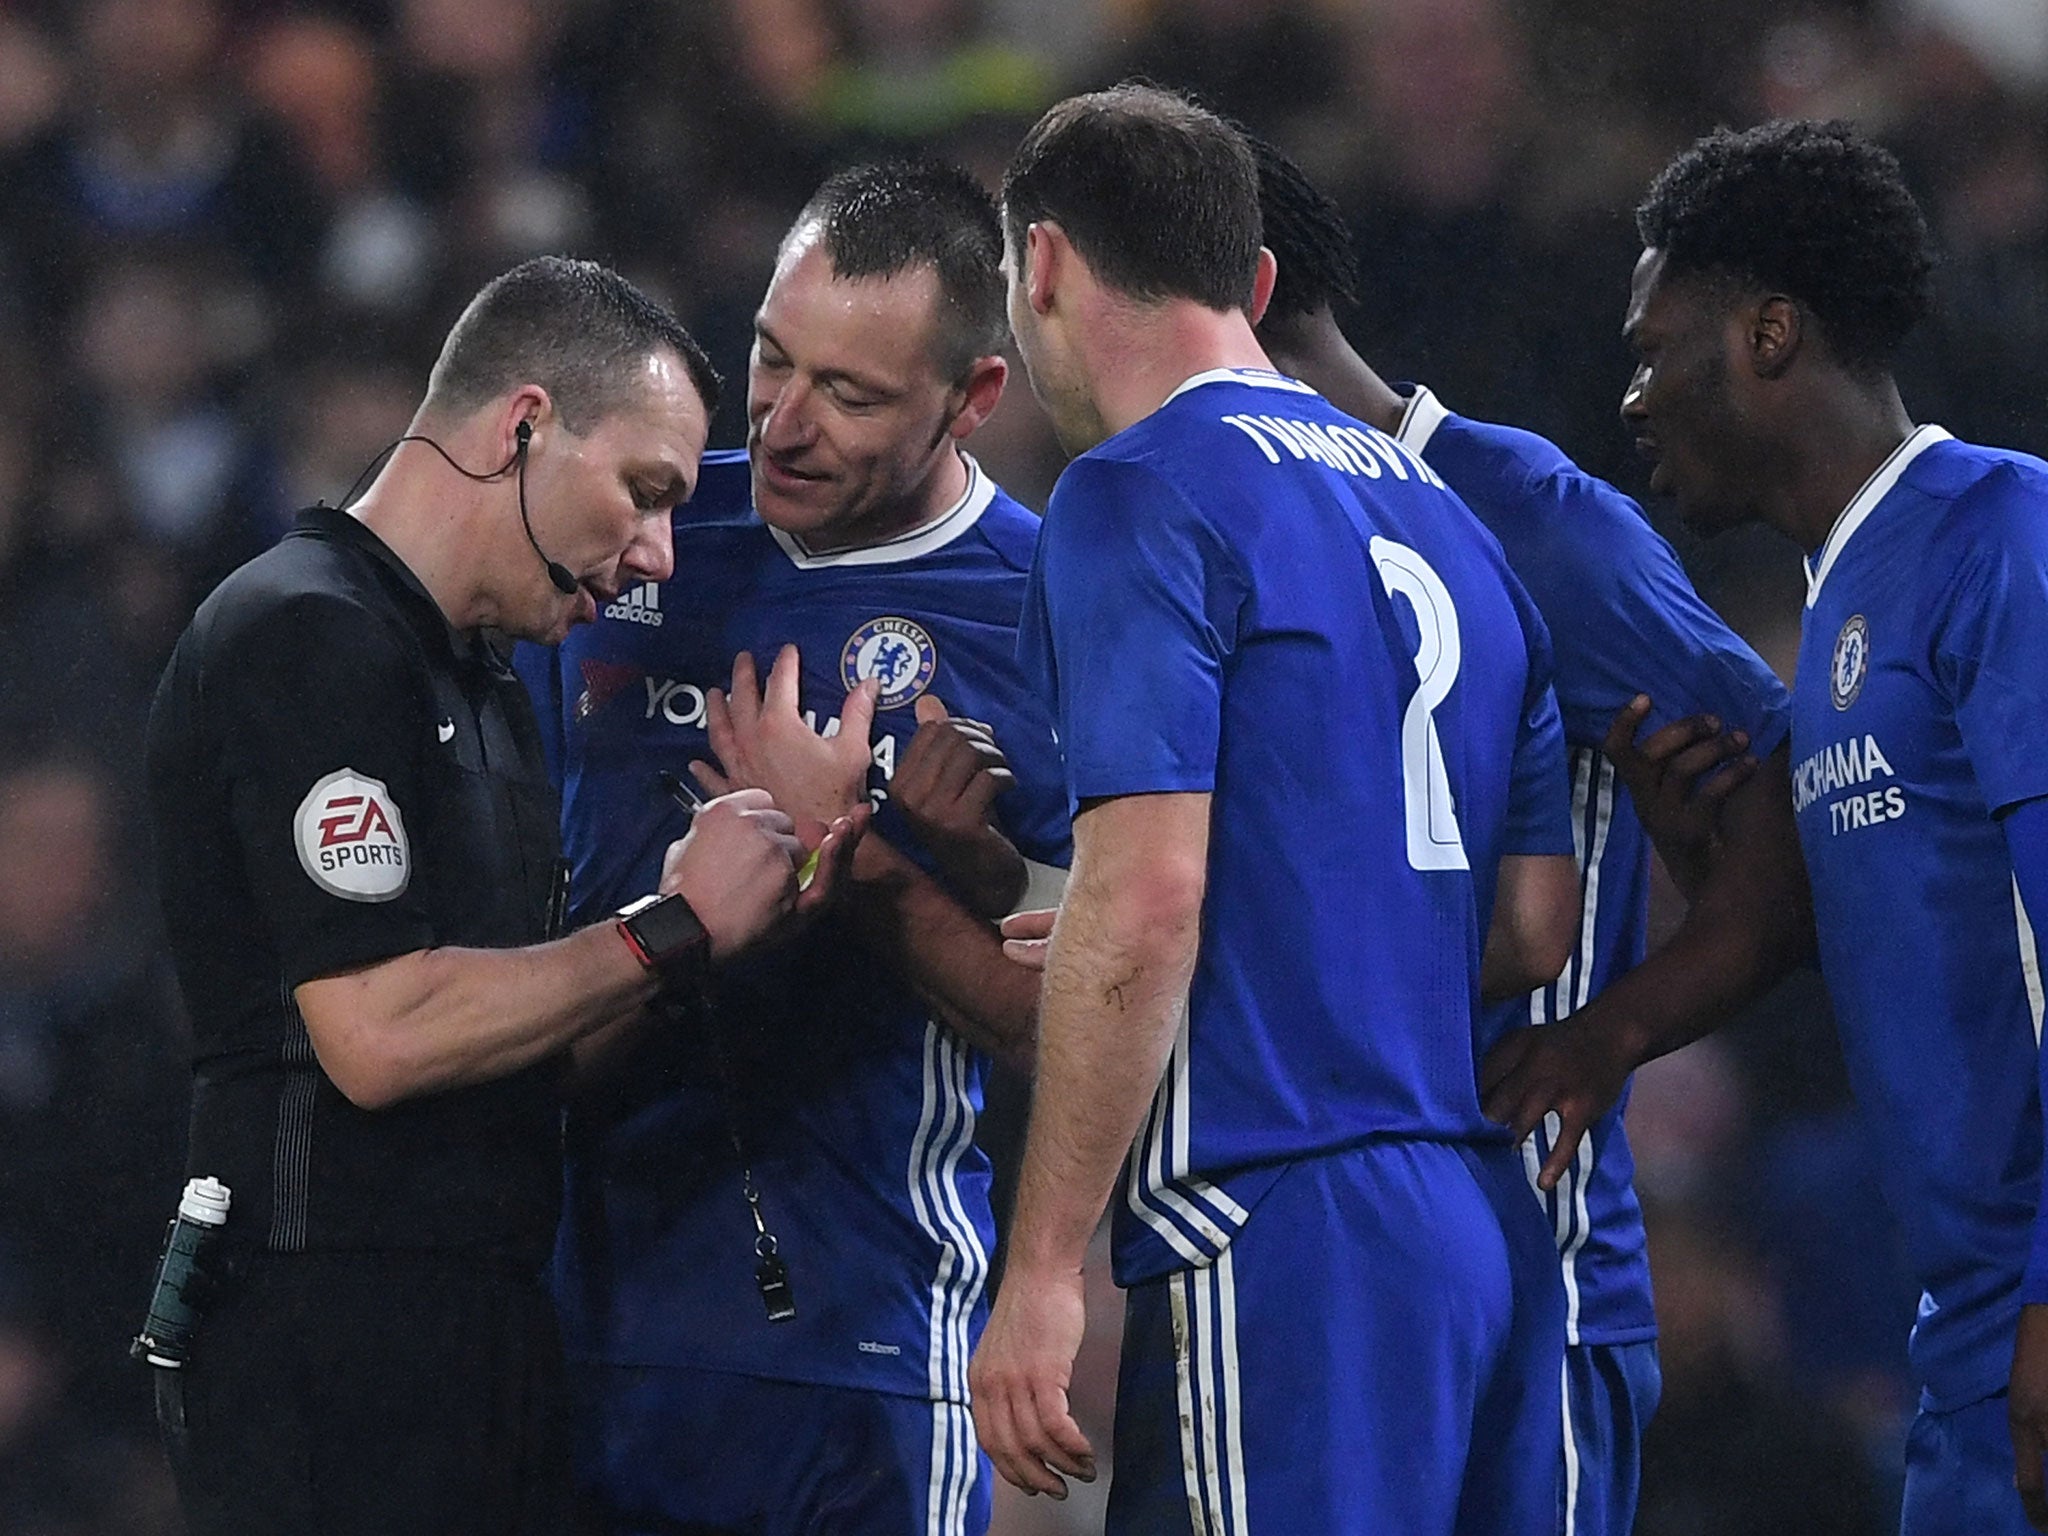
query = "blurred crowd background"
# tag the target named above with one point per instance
(232, 233)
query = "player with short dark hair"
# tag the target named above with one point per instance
(1782, 268)
(830, 1093)
(1813, 209)
(876, 220)
(1308, 733)
(1183, 229)
(1624, 622)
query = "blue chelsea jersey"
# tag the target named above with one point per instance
(1920, 712)
(1623, 620)
(855, 1110)
(1249, 594)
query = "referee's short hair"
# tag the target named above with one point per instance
(575, 328)
(1160, 196)
(1809, 209)
(884, 218)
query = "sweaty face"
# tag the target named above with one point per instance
(1681, 405)
(601, 501)
(847, 406)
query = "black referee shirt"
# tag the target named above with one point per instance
(337, 777)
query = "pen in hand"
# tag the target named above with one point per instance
(679, 790)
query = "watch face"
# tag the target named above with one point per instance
(667, 929)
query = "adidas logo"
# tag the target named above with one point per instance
(642, 605)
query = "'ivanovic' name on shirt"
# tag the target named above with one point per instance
(1356, 450)
(1849, 765)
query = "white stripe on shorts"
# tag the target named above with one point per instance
(1206, 1380)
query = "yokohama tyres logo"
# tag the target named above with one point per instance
(351, 838)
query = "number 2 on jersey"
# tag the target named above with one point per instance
(1434, 841)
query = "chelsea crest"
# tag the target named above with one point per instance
(1851, 662)
(897, 653)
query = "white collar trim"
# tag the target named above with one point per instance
(911, 544)
(1262, 378)
(1425, 413)
(1865, 501)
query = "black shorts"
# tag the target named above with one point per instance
(337, 1394)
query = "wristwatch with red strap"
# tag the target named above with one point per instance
(665, 936)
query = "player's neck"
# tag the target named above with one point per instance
(1842, 435)
(1320, 357)
(1143, 355)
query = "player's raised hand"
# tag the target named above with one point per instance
(946, 786)
(831, 862)
(1677, 778)
(762, 740)
(2026, 1411)
(826, 869)
(1028, 935)
(1563, 1076)
(1019, 1379)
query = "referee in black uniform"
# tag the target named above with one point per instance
(357, 846)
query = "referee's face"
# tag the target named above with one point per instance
(601, 501)
(848, 413)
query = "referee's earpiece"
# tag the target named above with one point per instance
(557, 573)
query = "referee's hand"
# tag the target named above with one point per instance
(1019, 1379)
(736, 868)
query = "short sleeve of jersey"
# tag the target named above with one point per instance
(320, 709)
(1129, 618)
(1539, 794)
(1626, 620)
(1993, 647)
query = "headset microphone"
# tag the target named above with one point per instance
(557, 573)
(564, 583)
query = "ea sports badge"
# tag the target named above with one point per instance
(897, 653)
(351, 838)
(1851, 662)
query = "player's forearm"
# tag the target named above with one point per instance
(1714, 965)
(1116, 988)
(989, 877)
(1752, 923)
(444, 1018)
(1688, 864)
(952, 959)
